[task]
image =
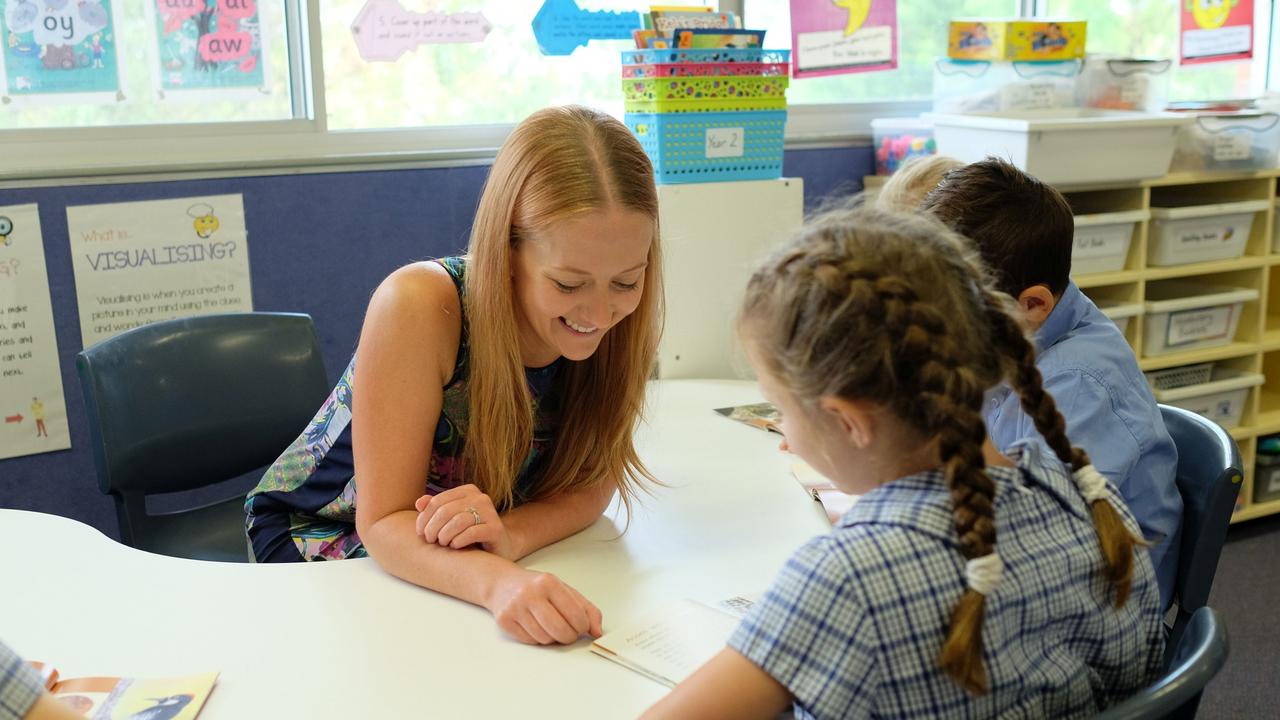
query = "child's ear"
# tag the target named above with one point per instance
(855, 419)
(1037, 303)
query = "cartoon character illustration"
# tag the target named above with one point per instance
(858, 11)
(206, 223)
(977, 38)
(1050, 39)
(6, 229)
(22, 82)
(96, 49)
(37, 413)
(1211, 14)
(165, 708)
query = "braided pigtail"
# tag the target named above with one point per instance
(1118, 545)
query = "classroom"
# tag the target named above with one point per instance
(717, 358)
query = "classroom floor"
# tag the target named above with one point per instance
(1245, 591)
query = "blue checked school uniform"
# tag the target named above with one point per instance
(20, 685)
(855, 621)
(1091, 373)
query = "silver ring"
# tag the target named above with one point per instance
(475, 514)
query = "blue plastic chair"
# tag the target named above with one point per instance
(183, 404)
(1209, 476)
(1197, 657)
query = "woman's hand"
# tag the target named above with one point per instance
(540, 609)
(461, 517)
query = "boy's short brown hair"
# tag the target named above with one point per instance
(1023, 228)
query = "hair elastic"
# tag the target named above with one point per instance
(984, 573)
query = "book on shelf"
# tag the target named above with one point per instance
(670, 645)
(112, 698)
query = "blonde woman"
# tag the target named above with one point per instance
(489, 408)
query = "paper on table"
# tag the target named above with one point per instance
(671, 645)
(835, 502)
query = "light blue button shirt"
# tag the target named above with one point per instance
(1092, 374)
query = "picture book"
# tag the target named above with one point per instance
(113, 698)
(670, 645)
(760, 415)
(667, 22)
(716, 39)
(835, 502)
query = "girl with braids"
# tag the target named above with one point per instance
(489, 408)
(956, 586)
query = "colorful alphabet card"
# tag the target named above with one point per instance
(58, 48)
(209, 45)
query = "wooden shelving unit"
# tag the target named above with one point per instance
(1256, 347)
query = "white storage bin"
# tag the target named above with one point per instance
(1102, 241)
(1199, 233)
(1229, 141)
(1221, 399)
(1075, 145)
(1120, 83)
(1119, 313)
(1186, 316)
(1002, 86)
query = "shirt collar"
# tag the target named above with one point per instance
(1066, 314)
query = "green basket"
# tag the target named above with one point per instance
(713, 93)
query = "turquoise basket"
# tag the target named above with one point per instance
(711, 146)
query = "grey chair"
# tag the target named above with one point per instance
(1208, 476)
(183, 404)
(1197, 657)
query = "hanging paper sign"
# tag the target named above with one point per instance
(33, 414)
(831, 37)
(139, 262)
(561, 27)
(1216, 30)
(384, 30)
(208, 45)
(60, 47)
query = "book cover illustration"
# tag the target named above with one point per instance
(760, 415)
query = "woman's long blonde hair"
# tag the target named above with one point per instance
(558, 164)
(897, 309)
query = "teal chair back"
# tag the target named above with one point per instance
(183, 404)
(1196, 658)
(1209, 476)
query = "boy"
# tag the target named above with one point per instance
(1024, 230)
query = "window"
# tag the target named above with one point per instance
(128, 46)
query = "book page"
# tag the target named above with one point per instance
(834, 502)
(671, 645)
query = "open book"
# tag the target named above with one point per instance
(761, 415)
(669, 646)
(112, 698)
(835, 502)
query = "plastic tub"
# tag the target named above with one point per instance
(1120, 313)
(1266, 481)
(711, 146)
(1184, 316)
(1222, 399)
(1229, 141)
(897, 140)
(1102, 241)
(1120, 83)
(1001, 86)
(1199, 233)
(1074, 145)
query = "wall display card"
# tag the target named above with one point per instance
(204, 46)
(33, 413)
(384, 30)
(60, 51)
(1216, 30)
(136, 263)
(832, 37)
(561, 26)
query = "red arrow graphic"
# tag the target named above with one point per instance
(13, 418)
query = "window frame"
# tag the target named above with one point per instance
(306, 144)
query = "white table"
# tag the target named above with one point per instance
(346, 639)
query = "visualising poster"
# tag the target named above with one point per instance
(208, 45)
(56, 48)
(33, 412)
(1216, 30)
(831, 37)
(136, 263)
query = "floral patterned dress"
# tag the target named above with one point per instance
(304, 508)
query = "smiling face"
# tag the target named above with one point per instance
(577, 279)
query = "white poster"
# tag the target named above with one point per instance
(33, 413)
(136, 263)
